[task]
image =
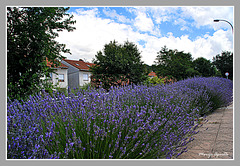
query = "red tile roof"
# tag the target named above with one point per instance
(81, 65)
(49, 64)
(152, 74)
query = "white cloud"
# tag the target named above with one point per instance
(113, 14)
(182, 23)
(144, 23)
(204, 16)
(163, 14)
(200, 15)
(207, 47)
(93, 33)
(148, 19)
(90, 13)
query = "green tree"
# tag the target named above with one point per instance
(30, 40)
(204, 67)
(191, 72)
(151, 68)
(174, 63)
(224, 63)
(118, 64)
(148, 68)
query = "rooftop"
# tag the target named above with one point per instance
(79, 64)
(49, 64)
(152, 74)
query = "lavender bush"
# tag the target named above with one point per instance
(131, 122)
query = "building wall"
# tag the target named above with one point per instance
(73, 75)
(82, 81)
(56, 81)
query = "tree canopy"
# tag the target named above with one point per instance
(30, 40)
(224, 63)
(204, 67)
(118, 64)
(174, 63)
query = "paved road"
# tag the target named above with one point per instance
(215, 137)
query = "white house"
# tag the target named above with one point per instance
(59, 77)
(78, 72)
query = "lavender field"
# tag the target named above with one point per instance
(131, 122)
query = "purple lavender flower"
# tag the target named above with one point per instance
(154, 121)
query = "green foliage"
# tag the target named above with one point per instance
(118, 64)
(148, 68)
(154, 81)
(217, 72)
(190, 72)
(86, 87)
(62, 90)
(159, 80)
(48, 86)
(168, 79)
(181, 65)
(204, 67)
(224, 63)
(151, 68)
(30, 40)
(130, 122)
(174, 63)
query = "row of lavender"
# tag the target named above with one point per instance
(127, 122)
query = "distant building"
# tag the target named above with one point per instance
(152, 74)
(78, 72)
(59, 77)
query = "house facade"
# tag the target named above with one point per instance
(59, 76)
(78, 72)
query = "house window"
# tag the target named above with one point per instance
(61, 77)
(85, 77)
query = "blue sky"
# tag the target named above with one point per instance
(189, 29)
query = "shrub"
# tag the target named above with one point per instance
(62, 90)
(217, 92)
(168, 79)
(153, 81)
(161, 80)
(127, 122)
(107, 81)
